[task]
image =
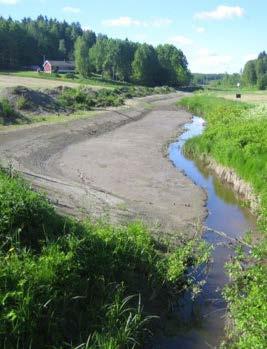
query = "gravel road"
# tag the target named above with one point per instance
(113, 165)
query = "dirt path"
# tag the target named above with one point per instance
(111, 165)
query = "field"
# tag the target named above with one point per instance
(248, 95)
(35, 80)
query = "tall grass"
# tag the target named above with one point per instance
(236, 137)
(66, 284)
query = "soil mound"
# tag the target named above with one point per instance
(36, 101)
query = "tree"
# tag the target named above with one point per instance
(174, 65)
(262, 82)
(81, 52)
(145, 65)
(62, 48)
(249, 73)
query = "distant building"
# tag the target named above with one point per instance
(59, 67)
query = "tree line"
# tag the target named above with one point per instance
(255, 72)
(130, 61)
(27, 42)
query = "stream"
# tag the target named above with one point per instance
(202, 321)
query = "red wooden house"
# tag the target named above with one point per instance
(59, 67)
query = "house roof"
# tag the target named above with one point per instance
(62, 64)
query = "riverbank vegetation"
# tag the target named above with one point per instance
(67, 284)
(235, 137)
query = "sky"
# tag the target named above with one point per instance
(216, 36)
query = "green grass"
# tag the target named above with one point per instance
(65, 284)
(236, 137)
(94, 81)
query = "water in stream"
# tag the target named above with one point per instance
(204, 319)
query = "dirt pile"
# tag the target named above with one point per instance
(24, 99)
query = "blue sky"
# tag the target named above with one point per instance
(216, 36)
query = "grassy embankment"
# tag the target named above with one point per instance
(236, 137)
(22, 106)
(66, 284)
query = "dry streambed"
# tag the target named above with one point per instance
(111, 165)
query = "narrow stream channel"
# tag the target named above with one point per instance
(204, 319)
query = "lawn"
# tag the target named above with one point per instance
(50, 81)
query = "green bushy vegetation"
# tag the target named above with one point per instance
(85, 99)
(7, 112)
(236, 137)
(255, 71)
(65, 284)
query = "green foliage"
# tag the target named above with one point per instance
(127, 61)
(174, 66)
(255, 72)
(262, 82)
(81, 52)
(236, 136)
(23, 43)
(70, 76)
(145, 65)
(6, 109)
(65, 284)
(22, 103)
(85, 99)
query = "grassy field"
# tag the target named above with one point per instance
(65, 283)
(236, 137)
(34, 80)
(248, 95)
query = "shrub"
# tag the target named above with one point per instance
(6, 108)
(22, 103)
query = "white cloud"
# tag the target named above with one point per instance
(221, 12)
(71, 9)
(131, 22)
(9, 2)
(180, 40)
(207, 61)
(200, 30)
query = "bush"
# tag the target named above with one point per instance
(6, 108)
(22, 103)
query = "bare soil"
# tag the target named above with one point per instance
(113, 165)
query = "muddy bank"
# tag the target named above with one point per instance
(240, 187)
(112, 165)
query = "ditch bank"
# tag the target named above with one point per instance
(198, 322)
